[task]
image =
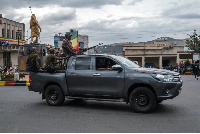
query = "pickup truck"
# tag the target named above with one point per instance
(107, 77)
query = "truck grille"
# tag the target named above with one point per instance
(176, 78)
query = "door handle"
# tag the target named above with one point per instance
(96, 74)
(73, 74)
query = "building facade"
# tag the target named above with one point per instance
(11, 33)
(113, 49)
(161, 53)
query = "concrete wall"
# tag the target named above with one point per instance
(173, 50)
(14, 58)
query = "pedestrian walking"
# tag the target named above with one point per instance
(5, 69)
(1, 69)
(196, 70)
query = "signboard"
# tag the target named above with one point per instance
(182, 61)
(196, 57)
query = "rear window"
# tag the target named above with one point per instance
(83, 63)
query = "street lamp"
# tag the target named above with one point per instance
(18, 35)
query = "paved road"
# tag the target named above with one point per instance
(24, 111)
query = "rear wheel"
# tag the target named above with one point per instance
(54, 95)
(142, 100)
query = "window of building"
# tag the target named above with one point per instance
(12, 34)
(9, 47)
(8, 33)
(6, 59)
(4, 47)
(13, 47)
(3, 33)
(83, 63)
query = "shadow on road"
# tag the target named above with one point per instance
(117, 106)
(100, 105)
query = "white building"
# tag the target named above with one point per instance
(9, 33)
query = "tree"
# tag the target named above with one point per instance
(187, 63)
(194, 43)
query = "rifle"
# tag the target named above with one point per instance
(82, 50)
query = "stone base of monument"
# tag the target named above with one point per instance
(16, 76)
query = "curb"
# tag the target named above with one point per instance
(14, 83)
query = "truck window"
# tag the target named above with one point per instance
(103, 63)
(83, 63)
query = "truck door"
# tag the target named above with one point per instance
(107, 81)
(79, 76)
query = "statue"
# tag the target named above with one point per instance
(34, 26)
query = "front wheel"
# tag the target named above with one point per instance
(54, 95)
(142, 100)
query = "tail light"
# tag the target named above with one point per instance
(30, 80)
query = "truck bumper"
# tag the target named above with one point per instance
(170, 91)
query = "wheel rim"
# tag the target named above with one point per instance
(53, 96)
(142, 100)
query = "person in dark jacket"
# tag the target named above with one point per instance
(5, 69)
(196, 70)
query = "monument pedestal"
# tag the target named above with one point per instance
(16, 76)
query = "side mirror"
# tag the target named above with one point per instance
(117, 68)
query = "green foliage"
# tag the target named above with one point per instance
(33, 62)
(187, 62)
(194, 43)
(21, 76)
(10, 77)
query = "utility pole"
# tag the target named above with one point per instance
(144, 54)
(27, 37)
(18, 35)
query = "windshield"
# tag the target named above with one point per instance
(125, 61)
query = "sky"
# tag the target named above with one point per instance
(107, 21)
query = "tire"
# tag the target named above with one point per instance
(159, 101)
(54, 95)
(142, 100)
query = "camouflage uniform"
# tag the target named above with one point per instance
(67, 46)
(50, 61)
(33, 61)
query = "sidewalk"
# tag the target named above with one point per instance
(21, 82)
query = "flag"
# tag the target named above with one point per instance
(74, 40)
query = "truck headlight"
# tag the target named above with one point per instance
(163, 78)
